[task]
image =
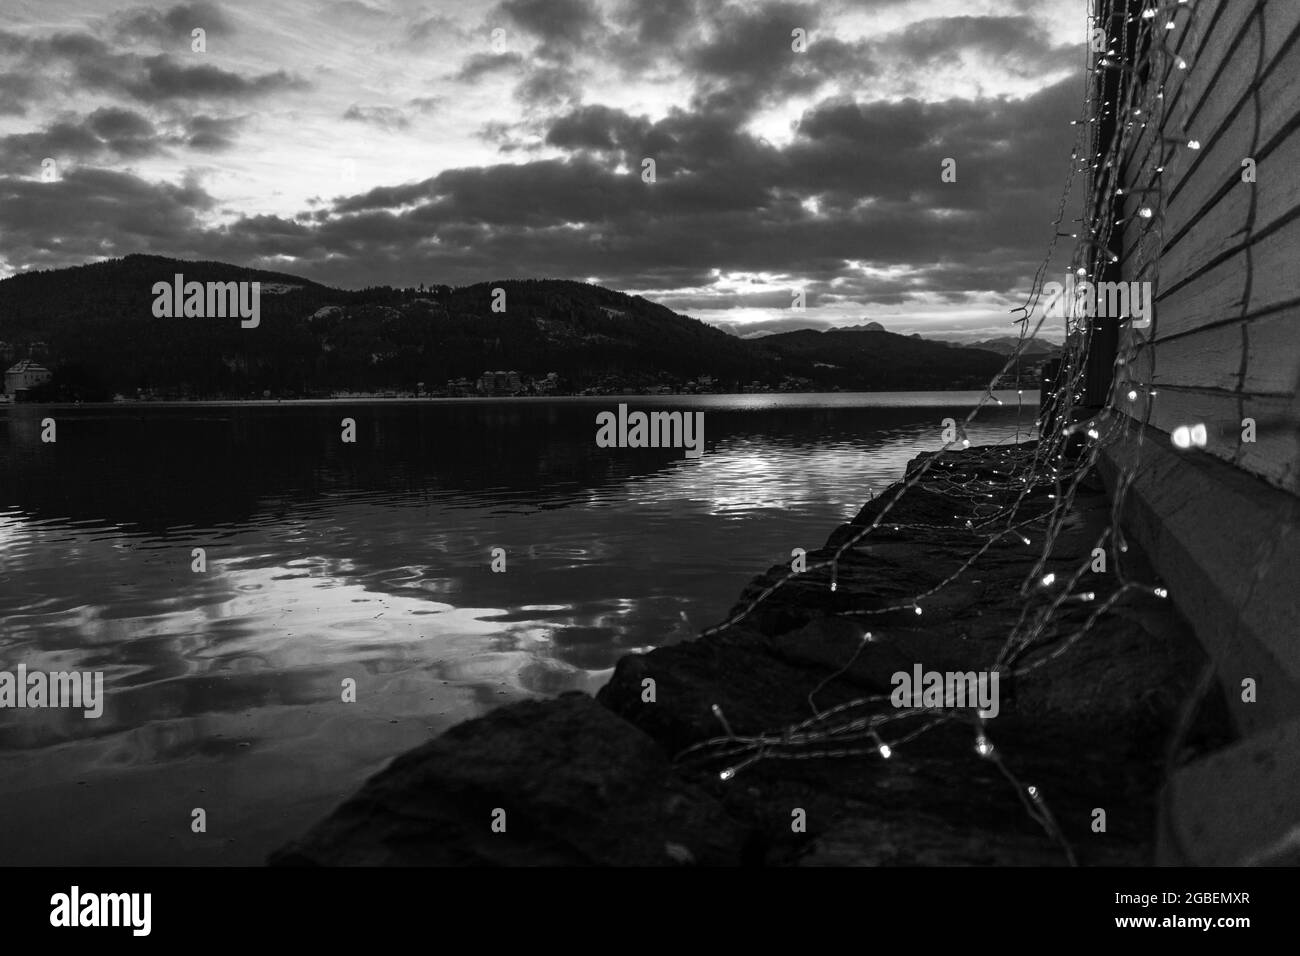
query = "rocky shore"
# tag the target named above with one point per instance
(598, 781)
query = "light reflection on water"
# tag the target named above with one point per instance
(371, 562)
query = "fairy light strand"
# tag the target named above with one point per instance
(1147, 58)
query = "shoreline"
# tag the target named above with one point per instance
(594, 780)
(1028, 396)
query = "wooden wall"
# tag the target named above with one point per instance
(1223, 254)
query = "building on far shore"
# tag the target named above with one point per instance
(500, 383)
(23, 376)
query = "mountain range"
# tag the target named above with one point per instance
(96, 328)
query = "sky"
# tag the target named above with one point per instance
(371, 142)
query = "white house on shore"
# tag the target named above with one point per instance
(23, 376)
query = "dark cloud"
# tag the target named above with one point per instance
(749, 58)
(95, 66)
(107, 133)
(17, 90)
(559, 25)
(481, 64)
(852, 208)
(384, 117)
(210, 133)
(165, 79)
(724, 201)
(551, 86)
(656, 23)
(93, 213)
(111, 134)
(114, 124)
(598, 128)
(173, 25)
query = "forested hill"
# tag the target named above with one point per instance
(100, 336)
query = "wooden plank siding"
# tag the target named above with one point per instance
(1223, 254)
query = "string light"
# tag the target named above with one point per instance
(881, 747)
(997, 506)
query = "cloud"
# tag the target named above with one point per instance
(560, 25)
(817, 170)
(96, 67)
(165, 79)
(16, 92)
(211, 133)
(95, 213)
(385, 117)
(174, 24)
(1020, 40)
(107, 133)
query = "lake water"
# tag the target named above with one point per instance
(371, 561)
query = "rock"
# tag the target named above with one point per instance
(606, 781)
(577, 784)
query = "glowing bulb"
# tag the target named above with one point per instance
(1026, 540)
(1048, 579)
(1160, 592)
(1148, 14)
(982, 746)
(1093, 433)
(1193, 144)
(1145, 212)
(1087, 596)
(1132, 395)
(1182, 64)
(885, 751)
(1032, 791)
(917, 608)
(728, 773)
(1185, 436)
(965, 443)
